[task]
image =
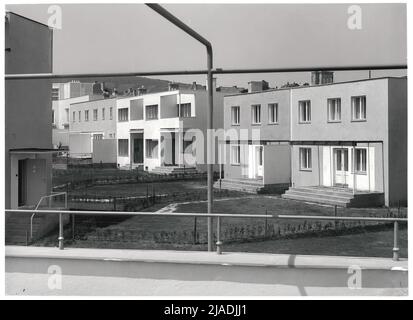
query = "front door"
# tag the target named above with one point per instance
(138, 150)
(341, 168)
(259, 158)
(22, 183)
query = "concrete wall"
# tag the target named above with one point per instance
(28, 105)
(277, 164)
(140, 273)
(60, 136)
(104, 151)
(397, 156)
(80, 144)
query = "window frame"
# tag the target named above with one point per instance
(127, 148)
(238, 118)
(309, 160)
(157, 112)
(121, 117)
(356, 163)
(253, 114)
(329, 100)
(302, 103)
(86, 115)
(95, 114)
(238, 148)
(275, 104)
(185, 105)
(353, 98)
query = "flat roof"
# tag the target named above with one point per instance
(314, 86)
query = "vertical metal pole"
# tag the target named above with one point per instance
(354, 170)
(61, 238)
(395, 242)
(219, 243)
(73, 226)
(210, 166)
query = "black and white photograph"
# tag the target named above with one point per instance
(208, 151)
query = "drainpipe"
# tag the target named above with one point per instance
(171, 18)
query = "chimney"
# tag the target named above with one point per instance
(141, 90)
(214, 84)
(193, 86)
(172, 86)
(321, 77)
(257, 86)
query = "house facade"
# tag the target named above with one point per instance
(352, 135)
(28, 110)
(348, 137)
(257, 125)
(92, 130)
(165, 129)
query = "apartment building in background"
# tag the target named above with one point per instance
(346, 143)
(28, 110)
(165, 132)
(63, 95)
(92, 130)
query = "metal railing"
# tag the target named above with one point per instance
(219, 217)
(50, 199)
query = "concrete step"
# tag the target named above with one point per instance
(328, 196)
(312, 199)
(324, 190)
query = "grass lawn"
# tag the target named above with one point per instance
(369, 244)
(140, 189)
(138, 232)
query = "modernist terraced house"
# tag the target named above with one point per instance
(160, 132)
(347, 142)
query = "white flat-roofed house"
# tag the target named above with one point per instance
(164, 131)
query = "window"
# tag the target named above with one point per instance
(103, 113)
(123, 147)
(185, 110)
(361, 160)
(98, 136)
(55, 94)
(235, 116)
(151, 148)
(53, 116)
(305, 158)
(256, 114)
(334, 110)
(235, 155)
(86, 115)
(151, 112)
(273, 113)
(95, 114)
(67, 114)
(74, 116)
(110, 113)
(304, 110)
(123, 114)
(80, 115)
(358, 106)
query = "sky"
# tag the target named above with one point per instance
(132, 37)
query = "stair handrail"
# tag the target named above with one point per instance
(53, 194)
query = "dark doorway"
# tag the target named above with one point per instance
(173, 149)
(22, 181)
(138, 150)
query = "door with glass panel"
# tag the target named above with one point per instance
(341, 167)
